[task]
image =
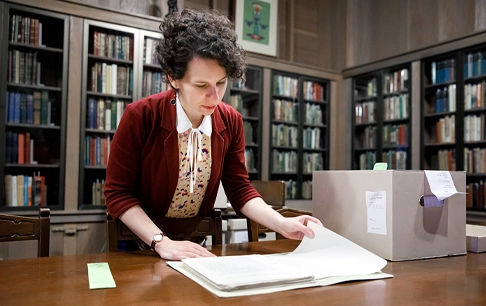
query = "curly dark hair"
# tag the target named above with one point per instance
(207, 34)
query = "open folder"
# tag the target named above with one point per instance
(325, 259)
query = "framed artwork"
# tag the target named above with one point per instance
(256, 25)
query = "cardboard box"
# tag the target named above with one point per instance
(475, 238)
(411, 230)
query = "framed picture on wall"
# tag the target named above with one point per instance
(256, 25)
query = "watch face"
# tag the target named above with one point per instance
(158, 237)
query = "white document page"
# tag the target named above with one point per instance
(376, 212)
(441, 184)
(329, 254)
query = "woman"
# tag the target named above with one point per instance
(172, 149)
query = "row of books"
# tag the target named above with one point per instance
(474, 95)
(443, 71)
(149, 55)
(476, 195)
(395, 135)
(368, 138)
(23, 68)
(396, 107)
(396, 81)
(311, 138)
(250, 160)
(396, 160)
(445, 99)
(367, 160)
(312, 162)
(446, 160)
(313, 91)
(474, 128)
(446, 129)
(153, 83)
(284, 161)
(248, 129)
(290, 189)
(365, 112)
(284, 135)
(31, 108)
(111, 79)
(474, 64)
(474, 160)
(313, 113)
(285, 86)
(19, 148)
(307, 190)
(113, 45)
(104, 114)
(24, 190)
(237, 102)
(97, 150)
(285, 110)
(98, 192)
(25, 30)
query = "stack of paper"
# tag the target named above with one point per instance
(326, 259)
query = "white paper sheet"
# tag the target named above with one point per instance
(441, 184)
(330, 257)
(376, 212)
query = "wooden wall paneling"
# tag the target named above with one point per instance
(386, 29)
(455, 19)
(305, 31)
(422, 23)
(415, 113)
(480, 15)
(74, 122)
(359, 36)
(332, 34)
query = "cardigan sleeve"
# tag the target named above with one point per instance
(123, 166)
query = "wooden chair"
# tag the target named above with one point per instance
(186, 228)
(273, 193)
(18, 228)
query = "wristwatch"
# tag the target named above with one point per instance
(157, 238)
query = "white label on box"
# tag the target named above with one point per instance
(376, 212)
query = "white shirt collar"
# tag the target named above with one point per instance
(183, 122)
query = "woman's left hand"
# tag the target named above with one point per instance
(296, 227)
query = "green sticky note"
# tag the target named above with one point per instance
(380, 166)
(99, 276)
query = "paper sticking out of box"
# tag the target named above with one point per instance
(475, 238)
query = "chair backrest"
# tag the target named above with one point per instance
(208, 226)
(254, 229)
(17, 228)
(272, 192)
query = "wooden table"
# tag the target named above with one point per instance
(144, 279)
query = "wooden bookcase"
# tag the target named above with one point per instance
(247, 99)
(298, 131)
(454, 112)
(382, 119)
(33, 87)
(110, 78)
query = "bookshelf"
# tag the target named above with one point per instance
(454, 119)
(151, 73)
(33, 87)
(246, 98)
(382, 119)
(298, 131)
(112, 61)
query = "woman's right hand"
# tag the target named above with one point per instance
(178, 250)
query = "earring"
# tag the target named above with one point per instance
(173, 101)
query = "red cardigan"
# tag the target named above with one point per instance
(143, 166)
